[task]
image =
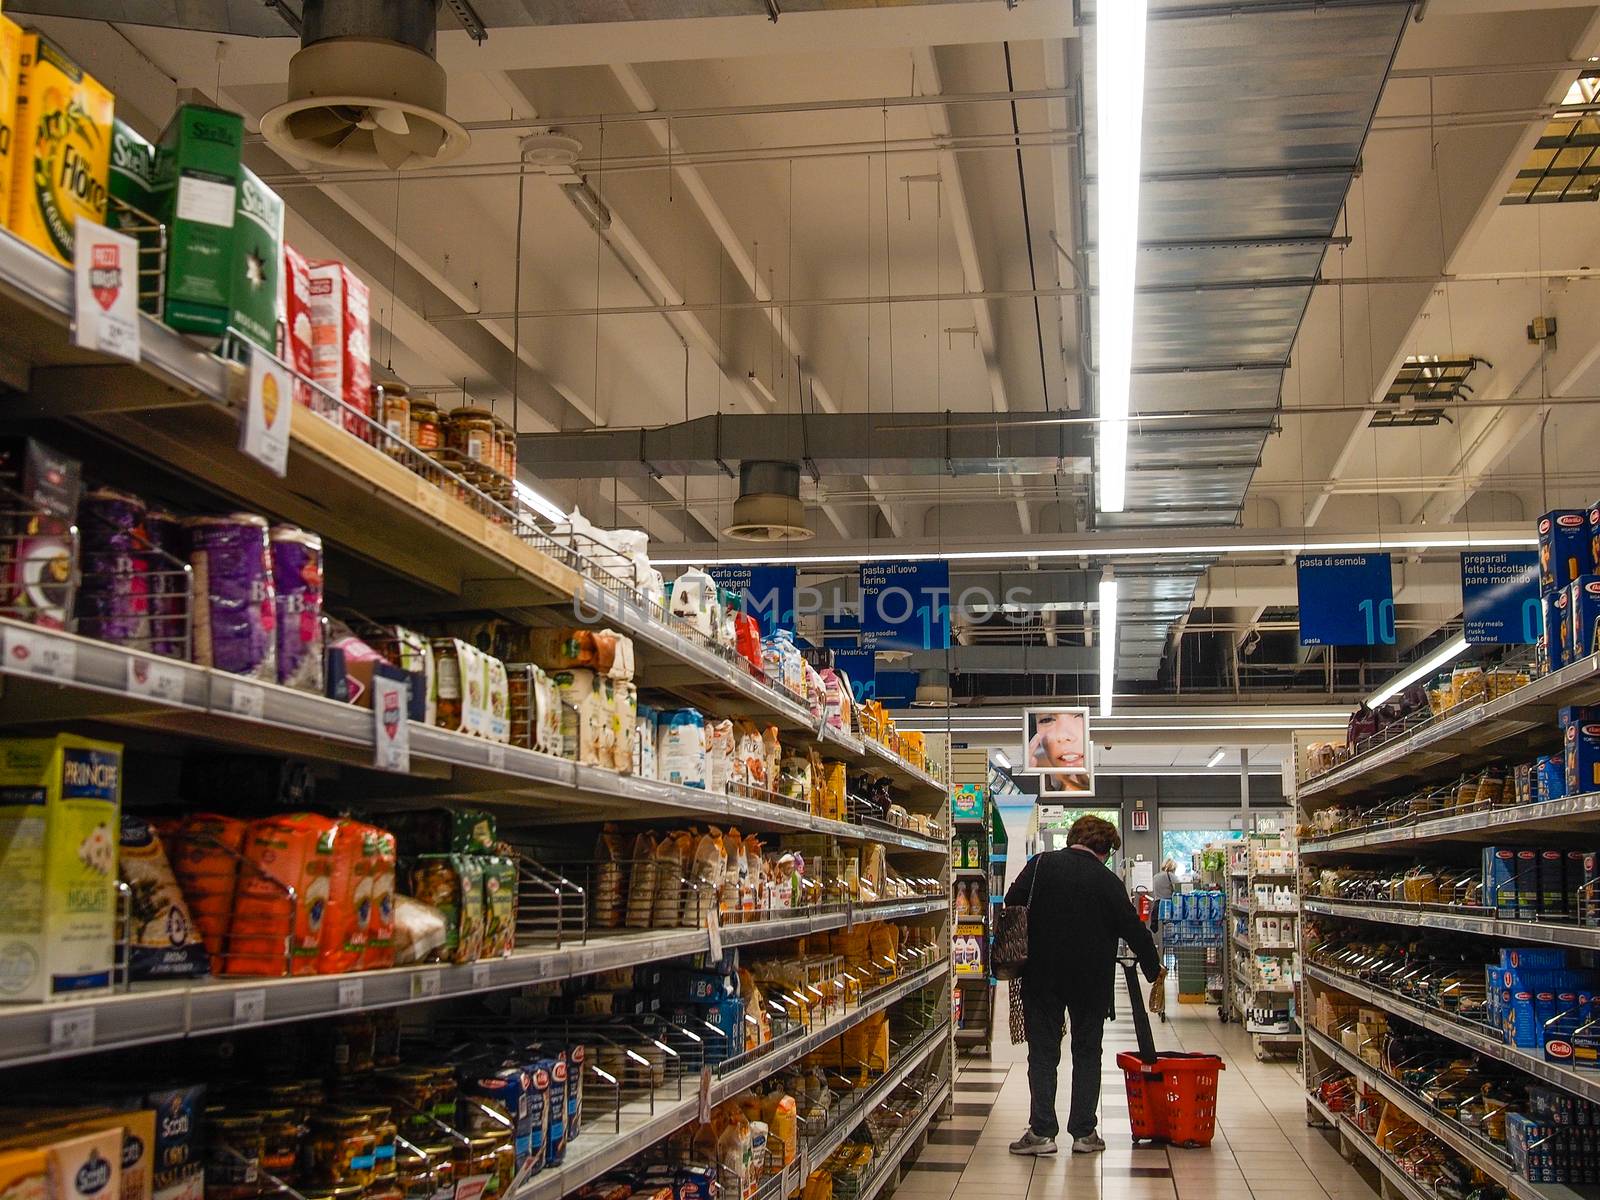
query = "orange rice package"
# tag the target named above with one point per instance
(203, 852)
(295, 851)
(343, 935)
(379, 950)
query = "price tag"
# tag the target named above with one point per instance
(250, 1006)
(391, 732)
(497, 758)
(544, 968)
(34, 652)
(705, 1095)
(351, 993)
(72, 1030)
(430, 499)
(424, 984)
(264, 426)
(155, 679)
(248, 700)
(106, 271)
(586, 961)
(480, 976)
(714, 933)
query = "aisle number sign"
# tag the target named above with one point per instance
(1500, 597)
(905, 605)
(1345, 599)
(767, 593)
(862, 668)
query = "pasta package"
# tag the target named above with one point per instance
(643, 881)
(204, 851)
(164, 943)
(499, 906)
(435, 882)
(833, 791)
(469, 874)
(611, 872)
(296, 851)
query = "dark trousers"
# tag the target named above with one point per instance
(1044, 1012)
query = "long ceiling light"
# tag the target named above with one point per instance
(1108, 640)
(1119, 118)
(545, 507)
(1088, 549)
(1216, 759)
(1422, 670)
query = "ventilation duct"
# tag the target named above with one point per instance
(365, 90)
(768, 508)
(933, 690)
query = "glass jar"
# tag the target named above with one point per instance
(427, 432)
(380, 1119)
(505, 1158)
(384, 1187)
(233, 1156)
(412, 1091)
(478, 1158)
(386, 1043)
(505, 443)
(470, 433)
(341, 1149)
(396, 416)
(281, 1133)
(444, 1097)
(447, 715)
(354, 1039)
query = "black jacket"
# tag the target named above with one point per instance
(1078, 914)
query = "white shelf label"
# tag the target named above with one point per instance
(480, 976)
(106, 276)
(351, 993)
(264, 425)
(424, 985)
(155, 679)
(72, 1030)
(497, 758)
(714, 935)
(544, 968)
(250, 1006)
(586, 961)
(248, 700)
(35, 652)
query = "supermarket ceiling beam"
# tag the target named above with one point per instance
(1153, 544)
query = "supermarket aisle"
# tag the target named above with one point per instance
(1263, 1149)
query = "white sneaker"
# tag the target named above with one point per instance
(1090, 1143)
(1031, 1143)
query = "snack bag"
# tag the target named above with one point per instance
(164, 941)
(379, 948)
(499, 906)
(348, 912)
(203, 859)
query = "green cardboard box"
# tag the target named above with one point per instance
(132, 182)
(196, 181)
(257, 260)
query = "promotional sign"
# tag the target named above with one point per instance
(1057, 747)
(1345, 600)
(768, 593)
(1500, 597)
(264, 427)
(106, 271)
(861, 667)
(905, 605)
(392, 733)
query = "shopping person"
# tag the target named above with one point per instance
(1078, 911)
(1162, 887)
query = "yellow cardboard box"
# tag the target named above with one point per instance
(10, 52)
(22, 1174)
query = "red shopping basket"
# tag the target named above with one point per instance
(1173, 1099)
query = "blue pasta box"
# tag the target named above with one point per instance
(1564, 552)
(1583, 758)
(693, 987)
(1533, 958)
(1552, 882)
(1593, 515)
(1550, 774)
(1527, 883)
(1586, 1038)
(1500, 879)
(1583, 617)
(1556, 631)
(1522, 1019)
(1588, 909)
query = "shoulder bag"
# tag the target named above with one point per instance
(1010, 953)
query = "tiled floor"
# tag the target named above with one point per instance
(1263, 1148)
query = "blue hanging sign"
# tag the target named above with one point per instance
(861, 667)
(905, 605)
(1500, 597)
(1345, 599)
(768, 593)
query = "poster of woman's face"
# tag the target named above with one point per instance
(1057, 748)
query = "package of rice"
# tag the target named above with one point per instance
(164, 941)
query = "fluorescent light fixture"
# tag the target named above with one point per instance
(1001, 760)
(545, 507)
(1107, 632)
(1088, 549)
(1216, 758)
(1422, 670)
(1110, 725)
(1119, 120)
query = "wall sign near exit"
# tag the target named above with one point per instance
(1141, 820)
(1345, 599)
(1500, 597)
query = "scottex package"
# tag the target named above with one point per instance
(296, 850)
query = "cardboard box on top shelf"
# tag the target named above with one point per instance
(196, 181)
(10, 63)
(257, 261)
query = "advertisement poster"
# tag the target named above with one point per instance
(1057, 747)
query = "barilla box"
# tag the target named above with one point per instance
(59, 804)
(1556, 630)
(1553, 882)
(257, 260)
(1527, 883)
(1589, 895)
(341, 337)
(1551, 774)
(1593, 516)
(1583, 617)
(132, 184)
(1500, 884)
(196, 178)
(10, 61)
(1521, 1019)
(1583, 758)
(1578, 894)
(1533, 958)
(62, 152)
(1564, 552)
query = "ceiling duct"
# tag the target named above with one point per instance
(933, 690)
(365, 90)
(769, 508)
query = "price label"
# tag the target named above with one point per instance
(480, 976)
(250, 1006)
(72, 1030)
(586, 961)
(424, 985)
(351, 993)
(248, 700)
(544, 968)
(430, 499)
(34, 652)
(106, 316)
(497, 758)
(155, 679)
(264, 425)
